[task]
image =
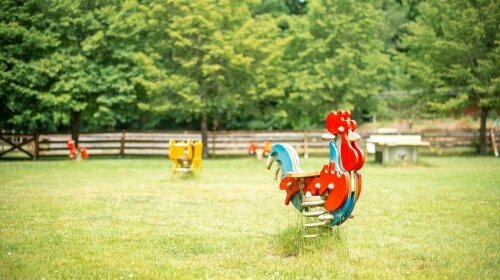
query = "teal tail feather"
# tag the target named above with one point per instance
(286, 157)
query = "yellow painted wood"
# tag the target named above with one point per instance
(185, 155)
(303, 174)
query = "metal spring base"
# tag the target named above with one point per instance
(316, 218)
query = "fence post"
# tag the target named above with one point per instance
(493, 142)
(213, 142)
(122, 144)
(306, 152)
(35, 141)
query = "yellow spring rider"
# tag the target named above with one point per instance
(185, 155)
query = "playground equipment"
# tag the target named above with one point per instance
(260, 151)
(83, 153)
(325, 198)
(73, 150)
(185, 155)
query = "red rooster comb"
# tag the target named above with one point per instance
(340, 122)
(351, 156)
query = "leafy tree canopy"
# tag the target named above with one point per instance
(453, 55)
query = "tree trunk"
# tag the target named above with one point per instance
(204, 135)
(75, 126)
(483, 148)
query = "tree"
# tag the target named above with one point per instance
(336, 59)
(84, 64)
(23, 70)
(214, 60)
(280, 7)
(97, 63)
(453, 55)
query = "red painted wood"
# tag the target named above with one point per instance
(361, 156)
(290, 190)
(310, 185)
(338, 122)
(348, 155)
(338, 195)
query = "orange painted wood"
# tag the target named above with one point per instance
(359, 183)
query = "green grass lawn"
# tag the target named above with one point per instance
(131, 218)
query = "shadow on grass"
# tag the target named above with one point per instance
(185, 176)
(290, 241)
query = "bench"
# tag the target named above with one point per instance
(395, 148)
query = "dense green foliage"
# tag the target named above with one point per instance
(253, 64)
(63, 57)
(453, 55)
(337, 60)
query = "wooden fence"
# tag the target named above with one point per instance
(125, 143)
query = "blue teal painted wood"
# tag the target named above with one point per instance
(350, 209)
(297, 201)
(341, 213)
(287, 157)
(352, 203)
(335, 156)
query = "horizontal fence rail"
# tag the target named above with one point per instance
(34, 146)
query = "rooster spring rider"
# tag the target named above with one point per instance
(325, 198)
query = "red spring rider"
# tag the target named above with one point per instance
(251, 149)
(72, 148)
(84, 153)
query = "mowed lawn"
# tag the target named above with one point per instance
(131, 218)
